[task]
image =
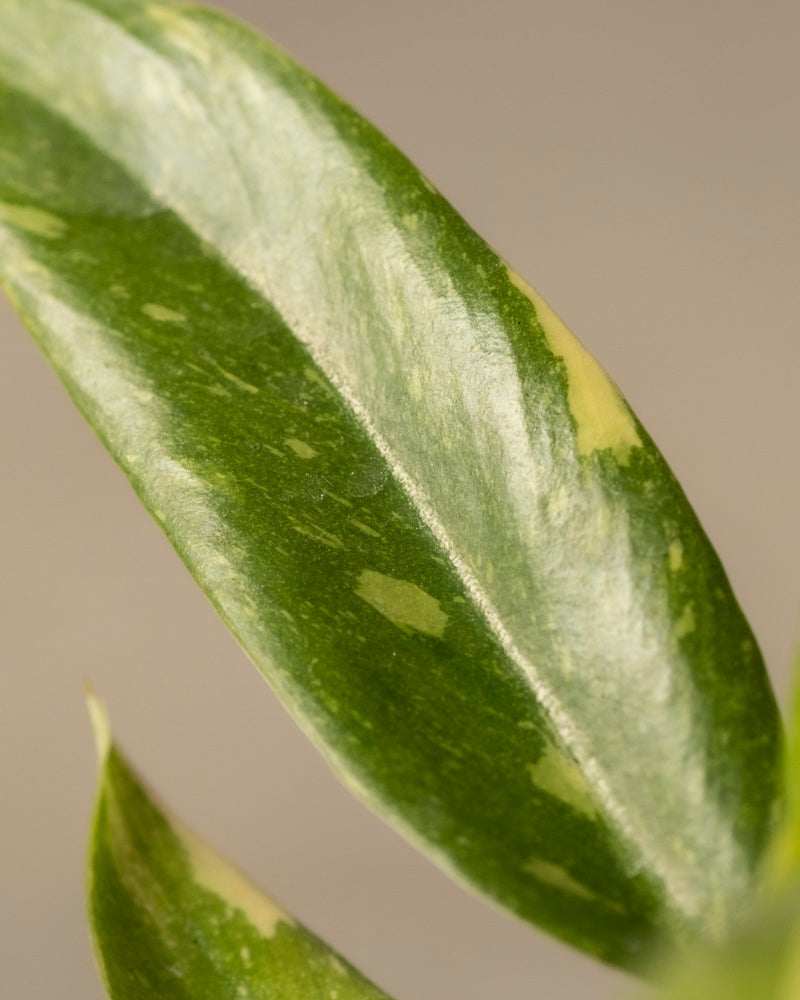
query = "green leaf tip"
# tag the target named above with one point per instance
(101, 726)
(172, 918)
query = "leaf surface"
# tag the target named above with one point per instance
(421, 507)
(171, 918)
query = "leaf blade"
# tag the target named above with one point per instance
(499, 576)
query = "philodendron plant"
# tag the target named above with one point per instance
(421, 507)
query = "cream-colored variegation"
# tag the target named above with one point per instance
(601, 415)
(101, 727)
(215, 873)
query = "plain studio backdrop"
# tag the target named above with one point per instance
(638, 163)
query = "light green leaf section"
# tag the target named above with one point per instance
(402, 602)
(784, 859)
(761, 962)
(423, 509)
(174, 920)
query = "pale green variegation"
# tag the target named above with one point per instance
(425, 512)
(173, 920)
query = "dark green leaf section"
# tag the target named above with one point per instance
(174, 920)
(423, 510)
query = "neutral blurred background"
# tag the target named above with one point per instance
(638, 162)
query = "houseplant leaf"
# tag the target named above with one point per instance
(424, 511)
(171, 918)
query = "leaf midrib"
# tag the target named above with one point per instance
(557, 715)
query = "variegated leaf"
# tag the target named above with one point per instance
(174, 920)
(426, 513)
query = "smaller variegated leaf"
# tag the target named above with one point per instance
(173, 920)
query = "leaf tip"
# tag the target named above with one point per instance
(98, 716)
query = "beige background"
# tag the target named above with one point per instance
(638, 162)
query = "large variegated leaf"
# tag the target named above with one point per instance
(421, 507)
(173, 920)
